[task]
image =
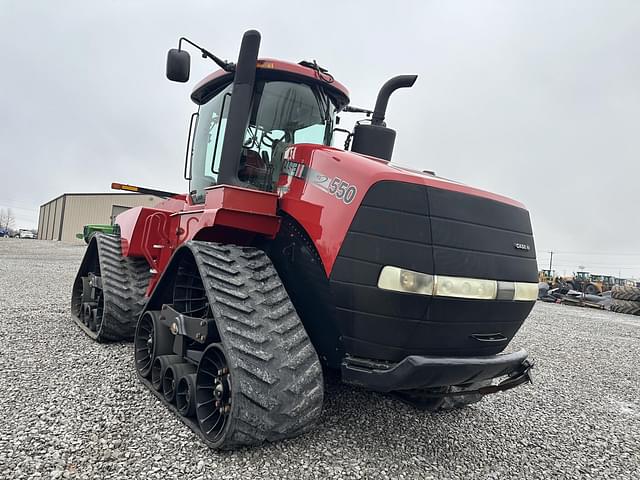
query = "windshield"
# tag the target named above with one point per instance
(283, 113)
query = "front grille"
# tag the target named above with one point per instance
(476, 237)
(432, 231)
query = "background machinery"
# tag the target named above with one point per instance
(89, 230)
(549, 277)
(584, 282)
(289, 256)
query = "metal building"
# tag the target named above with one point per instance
(65, 216)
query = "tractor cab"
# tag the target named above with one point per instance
(250, 112)
(547, 276)
(583, 276)
(284, 111)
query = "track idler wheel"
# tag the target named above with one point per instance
(151, 340)
(171, 376)
(186, 395)
(159, 367)
(213, 394)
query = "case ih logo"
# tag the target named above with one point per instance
(337, 187)
(294, 169)
(521, 246)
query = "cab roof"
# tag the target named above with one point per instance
(272, 68)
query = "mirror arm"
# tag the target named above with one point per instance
(351, 109)
(226, 66)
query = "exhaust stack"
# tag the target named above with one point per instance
(401, 81)
(239, 108)
(376, 139)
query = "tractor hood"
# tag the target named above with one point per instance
(325, 187)
(430, 178)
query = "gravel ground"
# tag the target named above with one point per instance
(71, 408)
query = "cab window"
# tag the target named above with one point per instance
(207, 143)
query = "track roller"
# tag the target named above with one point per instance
(93, 320)
(85, 315)
(170, 378)
(151, 340)
(186, 395)
(159, 367)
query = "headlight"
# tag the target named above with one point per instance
(461, 287)
(526, 291)
(408, 281)
(401, 280)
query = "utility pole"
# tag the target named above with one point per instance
(551, 261)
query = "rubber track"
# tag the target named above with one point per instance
(124, 282)
(625, 306)
(625, 292)
(277, 378)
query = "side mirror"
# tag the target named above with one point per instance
(178, 65)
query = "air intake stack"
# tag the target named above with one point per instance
(375, 139)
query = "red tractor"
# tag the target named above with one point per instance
(289, 256)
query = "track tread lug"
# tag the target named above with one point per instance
(238, 306)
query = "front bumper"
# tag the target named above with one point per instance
(422, 372)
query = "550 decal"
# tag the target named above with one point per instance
(342, 190)
(335, 186)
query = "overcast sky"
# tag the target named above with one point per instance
(536, 100)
